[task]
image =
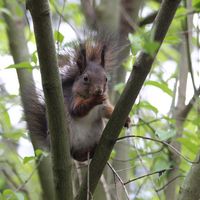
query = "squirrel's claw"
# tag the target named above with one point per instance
(128, 122)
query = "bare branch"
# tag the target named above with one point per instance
(162, 142)
(105, 187)
(187, 39)
(184, 113)
(119, 178)
(160, 172)
(64, 19)
(148, 19)
(90, 13)
(172, 180)
(138, 75)
(141, 155)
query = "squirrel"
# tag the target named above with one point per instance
(83, 70)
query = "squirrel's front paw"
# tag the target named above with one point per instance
(128, 122)
(99, 99)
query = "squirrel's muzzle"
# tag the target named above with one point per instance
(98, 91)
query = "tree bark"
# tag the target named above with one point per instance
(138, 75)
(20, 53)
(59, 133)
(179, 115)
(190, 187)
(170, 191)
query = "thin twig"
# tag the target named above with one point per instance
(148, 19)
(130, 21)
(105, 187)
(163, 187)
(148, 125)
(88, 177)
(77, 166)
(147, 171)
(142, 155)
(119, 178)
(146, 175)
(115, 183)
(188, 52)
(183, 114)
(191, 12)
(30, 176)
(59, 23)
(148, 122)
(65, 20)
(162, 142)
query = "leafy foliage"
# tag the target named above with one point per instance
(153, 115)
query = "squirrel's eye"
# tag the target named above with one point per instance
(106, 79)
(85, 78)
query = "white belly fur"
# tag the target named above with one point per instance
(85, 132)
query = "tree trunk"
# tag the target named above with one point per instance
(20, 53)
(190, 187)
(57, 122)
(171, 190)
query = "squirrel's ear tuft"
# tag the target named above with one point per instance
(81, 59)
(103, 56)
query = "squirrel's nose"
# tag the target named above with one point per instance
(98, 91)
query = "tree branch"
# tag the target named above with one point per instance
(187, 39)
(119, 178)
(20, 53)
(162, 142)
(148, 19)
(89, 12)
(160, 172)
(138, 75)
(40, 13)
(166, 185)
(184, 113)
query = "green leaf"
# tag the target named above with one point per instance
(151, 47)
(15, 135)
(181, 11)
(39, 152)
(28, 159)
(172, 39)
(147, 105)
(196, 4)
(113, 154)
(165, 135)
(22, 65)
(2, 183)
(5, 11)
(9, 195)
(136, 43)
(59, 37)
(161, 163)
(34, 58)
(5, 118)
(162, 86)
(191, 146)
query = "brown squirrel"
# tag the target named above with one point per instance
(84, 82)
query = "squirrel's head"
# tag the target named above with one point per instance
(92, 80)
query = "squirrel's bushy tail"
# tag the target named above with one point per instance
(38, 127)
